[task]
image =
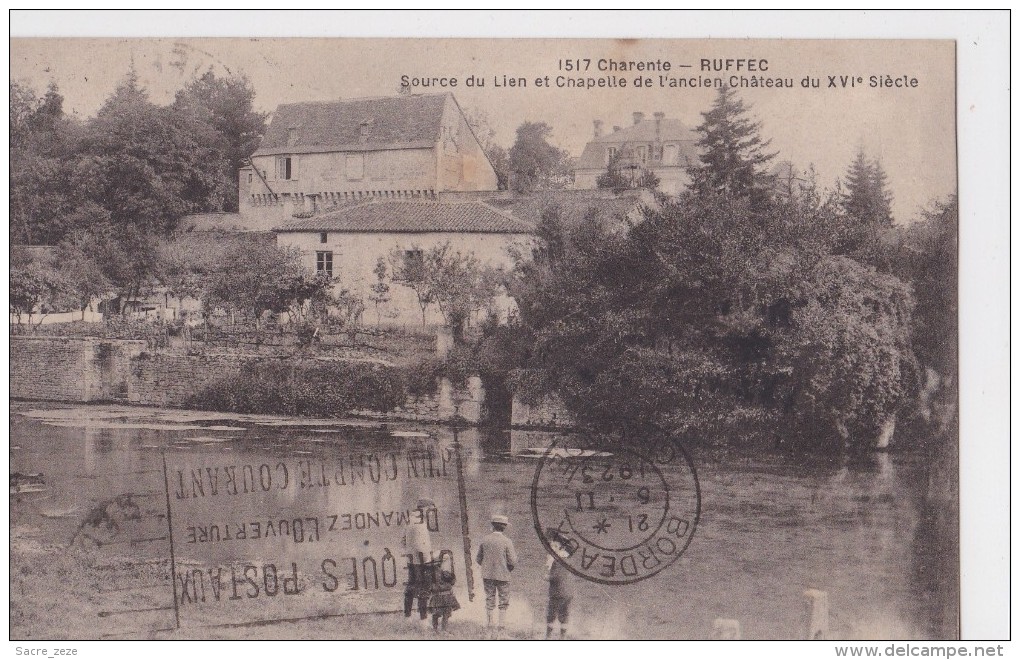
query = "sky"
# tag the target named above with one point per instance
(910, 129)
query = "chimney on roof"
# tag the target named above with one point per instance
(638, 117)
(616, 129)
(598, 127)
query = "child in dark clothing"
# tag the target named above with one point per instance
(443, 602)
(561, 587)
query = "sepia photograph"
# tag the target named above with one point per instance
(484, 339)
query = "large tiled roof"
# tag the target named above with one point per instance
(395, 122)
(415, 217)
(644, 132)
(576, 206)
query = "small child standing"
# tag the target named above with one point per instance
(443, 602)
(561, 587)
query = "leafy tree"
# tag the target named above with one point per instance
(455, 282)
(300, 295)
(347, 309)
(850, 356)
(711, 318)
(250, 280)
(34, 119)
(24, 103)
(461, 285)
(227, 106)
(927, 257)
(732, 157)
(84, 274)
(41, 146)
(379, 291)
(36, 287)
(128, 257)
(534, 163)
(409, 270)
(186, 263)
(615, 179)
(147, 165)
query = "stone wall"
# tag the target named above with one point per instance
(168, 380)
(92, 370)
(71, 369)
(550, 412)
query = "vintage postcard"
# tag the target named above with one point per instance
(483, 339)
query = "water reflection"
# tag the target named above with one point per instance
(772, 524)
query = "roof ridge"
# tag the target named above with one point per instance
(357, 205)
(429, 216)
(501, 212)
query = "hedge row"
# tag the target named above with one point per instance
(330, 389)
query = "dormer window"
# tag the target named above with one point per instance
(323, 237)
(363, 130)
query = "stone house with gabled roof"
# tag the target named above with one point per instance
(660, 145)
(348, 242)
(318, 156)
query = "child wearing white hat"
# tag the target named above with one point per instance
(497, 557)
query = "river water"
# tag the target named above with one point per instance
(772, 525)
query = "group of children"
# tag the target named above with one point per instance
(432, 582)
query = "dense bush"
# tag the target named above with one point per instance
(714, 320)
(422, 378)
(317, 389)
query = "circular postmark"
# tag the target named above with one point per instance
(617, 513)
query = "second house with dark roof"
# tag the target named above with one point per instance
(320, 156)
(350, 243)
(665, 147)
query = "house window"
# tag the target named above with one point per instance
(642, 153)
(285, 168)
(322, 237)
(355, 167)
(324, 263)
(612, 154)
(249, 177)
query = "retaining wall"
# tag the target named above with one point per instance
(76, 370)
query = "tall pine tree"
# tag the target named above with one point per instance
(733, 157)
(866, 196)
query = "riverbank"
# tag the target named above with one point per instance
(97, 370)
